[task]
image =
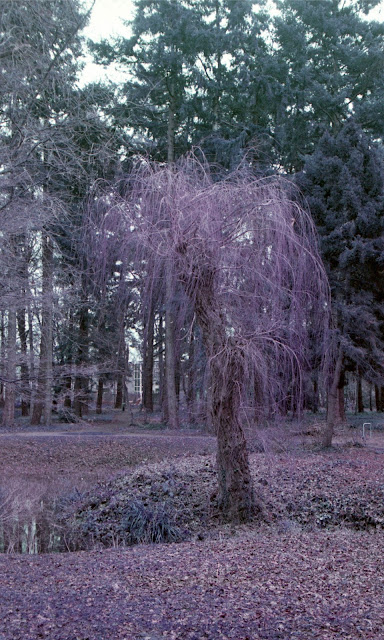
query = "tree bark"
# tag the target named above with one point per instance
(79, 400)
(121, 363)
(191, 386)
(43, 403)
(2, 357)
(25, 391)
(148, 361)
(9, 386)
(99, 398)
(341, 419)
(172, 410)
(333, 406)
(359, 393)
(227, 364)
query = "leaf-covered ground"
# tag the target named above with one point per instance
(312, 569)
(256, 585)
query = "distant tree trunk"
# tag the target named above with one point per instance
(333, 402)
(359, 393)
(148, 361)
(119, 391)
(341, 418)
(99, 398)
(160, 340)
(25, 391)
(2, 357)
(43, 402)
(31, 344)
(68, 388)
(10, 371)
(381, 399)
(79, 400)
(171, 129)
(377, 398)
(172, 411)
(315, 395)
(121, 363)
(190, 391)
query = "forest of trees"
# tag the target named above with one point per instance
(220, 213)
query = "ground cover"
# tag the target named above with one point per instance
(311, 566)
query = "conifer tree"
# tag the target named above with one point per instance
(344, 186)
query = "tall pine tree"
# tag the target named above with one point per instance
(344, 186)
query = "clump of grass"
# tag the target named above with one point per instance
(159, 503)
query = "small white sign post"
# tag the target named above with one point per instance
(366, 426)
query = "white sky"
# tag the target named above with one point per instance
(106, 21)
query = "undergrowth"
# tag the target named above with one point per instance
(173, 501)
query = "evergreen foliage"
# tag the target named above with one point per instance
(344, 187)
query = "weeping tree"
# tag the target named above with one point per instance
(247, 261)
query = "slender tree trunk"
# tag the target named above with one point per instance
(148, 361)
(191, 386)
(99, 398)
(161, 352)
(359, 393)
(25, 391)
(31, 344)
(119, 391)
(170, 359)
(67, 403)
(333, 402)
(79, 400)
(68, 389)
(341, 418)
(10, 370)
(121, 363)
(171, 130)
(315, 395)
(43, 402)
(2, 357)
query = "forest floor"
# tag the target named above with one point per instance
(312, 568)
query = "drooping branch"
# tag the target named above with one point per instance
(247, 259)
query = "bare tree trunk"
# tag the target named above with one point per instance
(161, 350)
(148, 361)
(121, 363)
(25, 391)
(359, 393)
(191, 387)
(43, 403)
(228, 379)
(171, 130)
(10, 370)
(333, 402)
(79, 400)
(170, 360)
(2, 357)
(315, 395)
(341, 419)
(68, 388)
(99, 398)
